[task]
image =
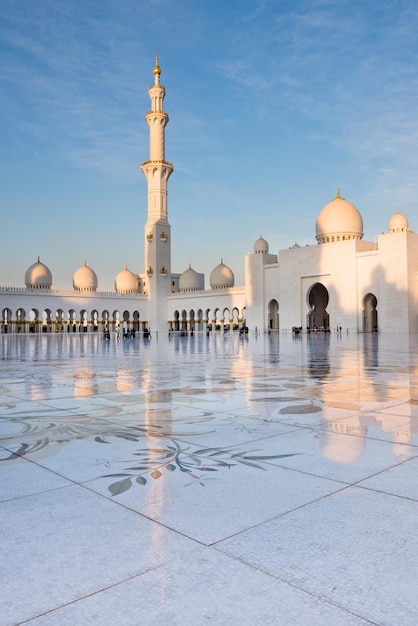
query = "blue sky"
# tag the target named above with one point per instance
(273, 105)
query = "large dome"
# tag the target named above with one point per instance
(261, 246)
(221, 277)
(398, 223)
(38, 276)
(189, 280)
(85, 279)
(339, 220)
(126, 282)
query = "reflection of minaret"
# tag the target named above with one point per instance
(157, 228)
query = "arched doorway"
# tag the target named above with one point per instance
(318, 298)
(184, 321)
(20, 320)
(370, 313)
(192, 320)
(273, 321)
(136, 321)
(176, 321)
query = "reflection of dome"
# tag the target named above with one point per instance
(338, 220)
(261, 246)
(38, 276)
(221, 277)
(126, 282)
(85, 279)
(398, 222)
(189, 280)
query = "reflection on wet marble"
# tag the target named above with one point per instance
(269, 479)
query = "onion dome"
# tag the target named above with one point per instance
(189, 280)
(339, 220)
(38, 276)
(126, 282)
(85, 279)
(261, 246)
(221, 277)
(398, 223)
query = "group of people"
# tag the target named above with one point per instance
(127, 333)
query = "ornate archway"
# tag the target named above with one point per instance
(273, 313)
(370, 313)
(318, 299)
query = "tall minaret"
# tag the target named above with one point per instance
(157, 228)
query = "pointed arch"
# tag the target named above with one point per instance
(273, 315)
(317, 300)
(370, 323)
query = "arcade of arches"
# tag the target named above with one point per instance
(207, 319)
(47, 321)
(34, 321)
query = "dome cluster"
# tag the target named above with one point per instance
(39, 276)
(339, 220)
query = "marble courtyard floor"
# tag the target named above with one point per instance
(265, 480)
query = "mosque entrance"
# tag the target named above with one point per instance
(273, 321)
(370, 313)
(318, 317)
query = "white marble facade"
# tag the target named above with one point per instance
(341, 281)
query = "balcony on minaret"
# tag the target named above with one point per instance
(163, 271)
(150, 237)
(157, 162)
(163, 237)
(150, 271)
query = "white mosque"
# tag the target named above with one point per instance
(340, 282)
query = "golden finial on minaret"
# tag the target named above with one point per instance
(157, 69)
(338, 193)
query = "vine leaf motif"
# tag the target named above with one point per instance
(120, 486)
(196, 464)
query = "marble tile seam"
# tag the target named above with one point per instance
(317, 596)
(140, 514)
(92, 594)
(344, 487)
(385, 493)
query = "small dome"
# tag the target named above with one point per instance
(339, 220)
(398, 223)
(189, 280)
(221, 277)
(126, 282)
(38, 276)
(85, 279)
(261, 246)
